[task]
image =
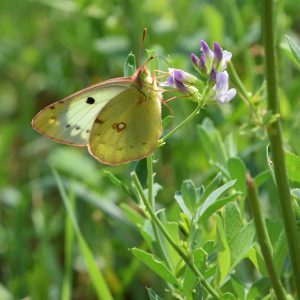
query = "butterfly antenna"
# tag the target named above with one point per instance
(142, 45)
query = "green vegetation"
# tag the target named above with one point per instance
(189, 222)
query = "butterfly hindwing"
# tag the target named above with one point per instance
(70, 120)
(127, 128)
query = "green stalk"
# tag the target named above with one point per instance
(201, 102)
(187, 119)
(238, 83)
(263, 238)
(275, 137)
(188, 260)
(151, 200)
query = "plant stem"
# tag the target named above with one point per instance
(151, 199)
(150, 180)
(263, 238)
(190, 117)
(188, 260)
(201, 103)
(275, 137)
(238, 83)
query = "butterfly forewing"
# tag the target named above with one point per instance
(70, 120)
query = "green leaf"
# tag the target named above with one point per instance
(216, 206)
(279, 243)
(189, 281)
(262, 177)
(178, 197)
(256, 258)
(173, 230)
(155, 265)
(240, 238)
(129, 65)
(232, 222)
(237, 170)
(209, 203)
(230, 145)
(97, 278)
(295, 51)
(187, 197)
(259, 289)
(153, 64)
(293, 166)
(242, 243)
(188, 191)
(209, 188)
(223, 266)
(228, 296)
(237, 286)
(152, 295)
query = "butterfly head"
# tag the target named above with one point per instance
(146, 82)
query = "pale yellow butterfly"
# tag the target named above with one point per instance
(119, 120)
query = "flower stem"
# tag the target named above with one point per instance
(263, 238)
(188, 259)
(275, 137)
(187, 119)
(201, 103)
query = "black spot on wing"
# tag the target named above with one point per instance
(90, 100)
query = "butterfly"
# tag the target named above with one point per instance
(119, 120)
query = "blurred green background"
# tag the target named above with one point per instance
(51, 48)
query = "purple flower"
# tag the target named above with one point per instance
(206, 50)
(202, 63)
(195, 60)
(184, 76)
(225, 60)
(218, 54)
(180, 86)
(213, 75)
(181, 80)
(223, 95)
(209, 59)
(208, 55)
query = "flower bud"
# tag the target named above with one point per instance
(195, 60)
(184, 76)
(218, 54)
